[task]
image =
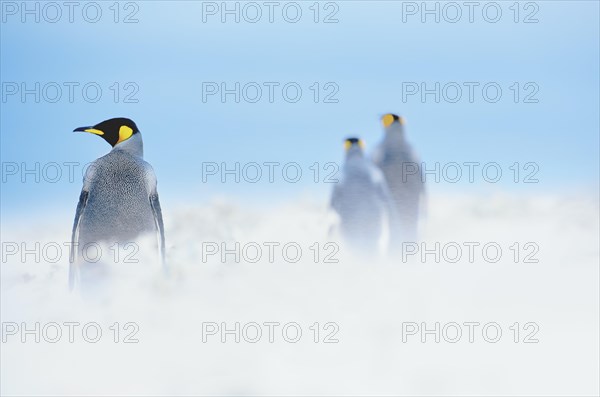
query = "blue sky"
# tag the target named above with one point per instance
(367, 55)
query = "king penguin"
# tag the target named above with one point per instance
(119, 200)
(403, 173)
(362, 200)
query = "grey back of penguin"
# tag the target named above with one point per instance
(118, 208)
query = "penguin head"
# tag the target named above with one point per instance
(354, 146)
(114, 131)
(391, 119)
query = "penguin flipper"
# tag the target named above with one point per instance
(334, 202)
(377, 156)
(158, 220)
(83, 198)
(385, 195)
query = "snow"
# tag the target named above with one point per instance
(371, 302)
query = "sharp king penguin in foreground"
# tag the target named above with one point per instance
(362, 200)
(403, 173)
(119, 201)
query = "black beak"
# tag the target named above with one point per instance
(82, 129)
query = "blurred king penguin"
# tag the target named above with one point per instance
(402, 171)
(362, 200)
(119, 200)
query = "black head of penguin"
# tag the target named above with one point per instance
(355, 143)
(390, 118)
(113, 131)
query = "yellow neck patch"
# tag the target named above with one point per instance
(124, 133)
(94, 131)
(387, 120)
